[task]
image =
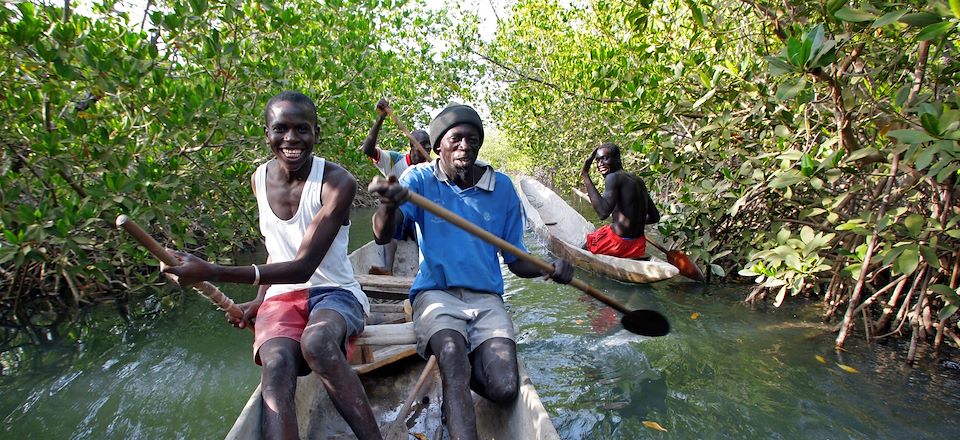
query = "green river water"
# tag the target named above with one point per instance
(725, 371)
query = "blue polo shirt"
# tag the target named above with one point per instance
(450, 256)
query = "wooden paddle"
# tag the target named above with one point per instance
(675, 257)
(641, 322)
(204, 288)
(397, 429)
(403, 128)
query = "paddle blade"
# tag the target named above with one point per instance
(687, 267)
(646, 323)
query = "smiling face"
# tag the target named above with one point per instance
(459, 148)
(608, 160)
(291, 133)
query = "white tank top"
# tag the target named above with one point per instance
(283, 237)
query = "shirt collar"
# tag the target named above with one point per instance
(486, 182)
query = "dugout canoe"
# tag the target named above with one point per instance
(395, 287)
(565, 232)
(387, 387)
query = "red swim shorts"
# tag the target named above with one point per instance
(286, 315)
(605, 242)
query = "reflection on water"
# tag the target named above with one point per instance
(731, 372)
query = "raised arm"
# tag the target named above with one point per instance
(370, 143)
(604, 203)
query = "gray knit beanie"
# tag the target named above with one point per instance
(450, 117)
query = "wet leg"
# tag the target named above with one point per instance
(278, 382)
(495, 374)
(321, 349)
(451, 350)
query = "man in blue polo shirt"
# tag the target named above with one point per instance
(458, 309)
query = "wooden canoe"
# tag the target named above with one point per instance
(405, 266)
(386, 389)
(565, 231)
(388, 376)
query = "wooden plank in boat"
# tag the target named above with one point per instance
(385, 356)
(384, 283)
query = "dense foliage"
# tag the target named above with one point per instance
(161, 119)
(809, 146)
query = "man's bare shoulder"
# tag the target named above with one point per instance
(338, 177)
(335, 173)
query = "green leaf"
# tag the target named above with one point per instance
(935, 31)
(835, 5)
(914, 224)
(697, 14)
(889, 17)
(930, 256)
(948, 310)
(946, 293)
(854, 15)
(717, 270)
(786, 178)
(795, 52)
(782, 235)
(908, 261)
(947, 171)
(955, 7)
(926, 156)
(807, 166)
(920, 19)
(704, 98)
(860, 154)
(908, 136)
(788, 89)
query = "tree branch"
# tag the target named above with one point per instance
(546, 83)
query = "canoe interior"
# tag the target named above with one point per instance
(386, 388)
(405, 266)
(565, 231)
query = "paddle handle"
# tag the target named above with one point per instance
(657, 245)
(424, 375)
(204, 288)
(403, 128)
(443, 213)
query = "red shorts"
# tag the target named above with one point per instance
(286, 315)
(606, 242)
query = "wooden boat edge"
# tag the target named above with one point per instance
(524, 418)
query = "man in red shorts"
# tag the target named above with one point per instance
(625, 199)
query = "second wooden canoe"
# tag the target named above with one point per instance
(565, 231)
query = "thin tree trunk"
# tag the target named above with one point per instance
(919, 72)
(848, 317)
(917, 328)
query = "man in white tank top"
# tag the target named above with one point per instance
(309, 303)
